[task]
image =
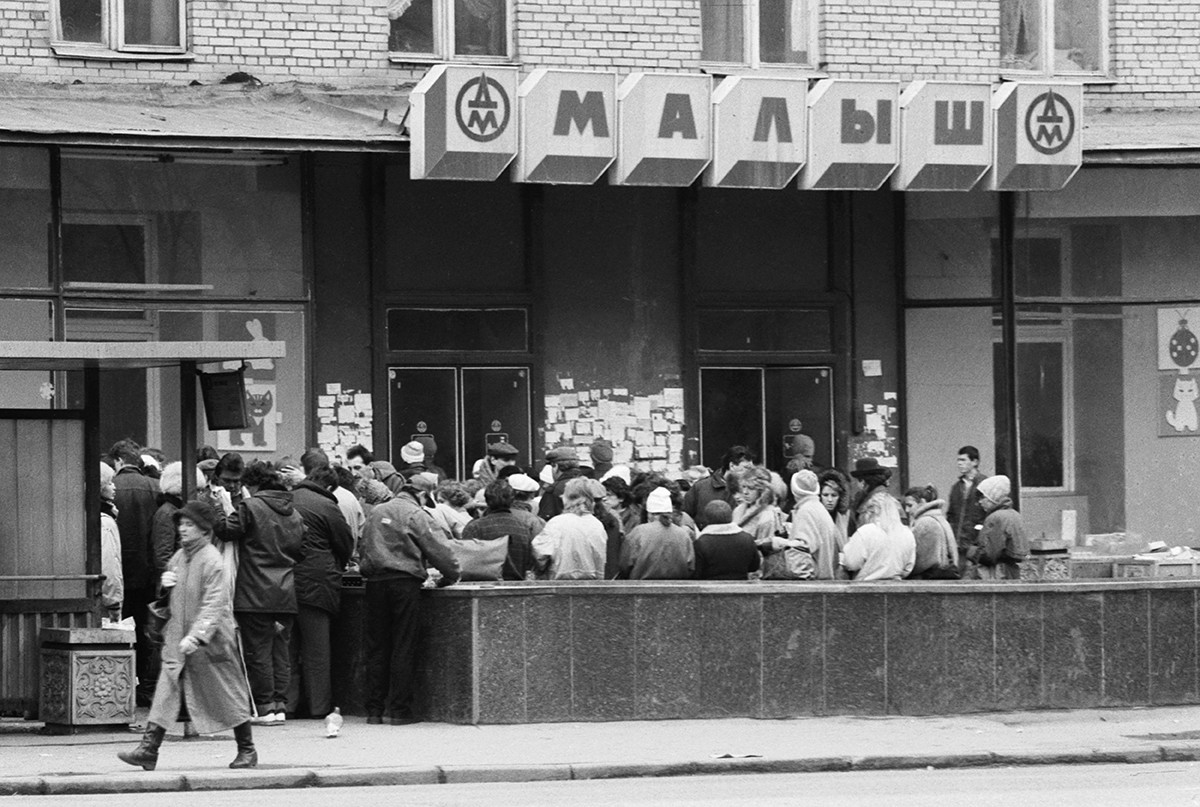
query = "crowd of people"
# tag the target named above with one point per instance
(247, 568)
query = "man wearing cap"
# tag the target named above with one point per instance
(525, 490)
(499, 455)
(397, 545)
(715, 486)
(601, 453)
(965, 511)
(1002, 541)
(564, 462)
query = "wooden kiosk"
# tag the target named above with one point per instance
(50, 535)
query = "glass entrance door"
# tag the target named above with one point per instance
(463, 409)
(766, 409)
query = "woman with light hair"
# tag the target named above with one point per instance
(573, 545)
(756, 511)
(882, 548)
(112, 589)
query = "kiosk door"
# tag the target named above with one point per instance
(424, 401)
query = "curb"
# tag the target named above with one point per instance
(287, 778)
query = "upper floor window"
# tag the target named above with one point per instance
(448, 29)
(94, 27)
(1053, 37)
(757, 32)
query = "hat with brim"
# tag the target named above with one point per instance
(562, 453)
(523, 483)
(412, 452)
(502, 450)
(869, 466)
(201, 514)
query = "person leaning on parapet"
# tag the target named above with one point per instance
(965, 512)
(500, 520)
(199, 657)
(499, 455)
(937, 550)
(565, 464)
(574, 544)
(136, 499)
(398, 544)
(660, 549)
(1003, 543)
(812, 525)
(716, 485)
(882, 548)
(724, 551)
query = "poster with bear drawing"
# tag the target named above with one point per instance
(1178, 373)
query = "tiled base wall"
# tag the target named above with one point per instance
(624, 652)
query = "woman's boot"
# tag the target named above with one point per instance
(246, 757)
(146, 754)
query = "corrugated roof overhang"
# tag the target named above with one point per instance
(238, 117)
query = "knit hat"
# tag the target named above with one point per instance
(106, 473)
(523, 483)
(547, 474)
(149, 462)
(601, 451)
(372, 491)
(201, 514)
(659, 501)
(995, 488)
(413, 452)
(428, 443)
(804, 483)
(620, 472)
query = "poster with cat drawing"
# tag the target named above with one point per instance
(1179, 373)
(259, 434)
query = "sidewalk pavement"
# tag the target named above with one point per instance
(297, 754)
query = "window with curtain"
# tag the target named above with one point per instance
(1052, 37)
(128, 26)
(449, 28)
(781, 32)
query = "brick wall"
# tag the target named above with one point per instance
(1153, 46)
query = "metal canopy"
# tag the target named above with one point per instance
(130, 355)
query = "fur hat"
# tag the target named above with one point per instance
(659, 501)
(804, 483)
(201, 514)
(995, 488)
(413, 452)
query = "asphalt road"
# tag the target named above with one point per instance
(1161, 785)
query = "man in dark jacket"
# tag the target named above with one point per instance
(136, 502)
(397, 545)
(714, 486)
(500, 521)
(966, 511)
(270, 536)
(328, 543)
(565, 461)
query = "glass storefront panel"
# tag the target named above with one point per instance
(950, 245)
(175, 224)
(26, 321)
(25, 225)
(144, 404)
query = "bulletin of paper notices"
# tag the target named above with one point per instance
(643, 429)
(344, 418)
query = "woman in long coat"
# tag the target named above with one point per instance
(201, 665)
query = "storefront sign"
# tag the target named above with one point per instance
(666, 129)
(945, 136)
(665, 126)
(567, 125)
(464, 122)
(760, 132)
(853, 135)
(1038, 145)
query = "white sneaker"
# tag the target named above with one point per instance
(280, 717)
(267, 719)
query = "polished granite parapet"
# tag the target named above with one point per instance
(589, 651)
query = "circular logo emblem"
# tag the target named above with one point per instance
(795, 425)
(422, 426)
(1049, 123)
(496, 425)
(482, 109)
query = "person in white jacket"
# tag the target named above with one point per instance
(882, 548)
(112, 589)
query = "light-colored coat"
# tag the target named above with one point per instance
(211, 680)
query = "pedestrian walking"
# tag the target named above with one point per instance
(201, 666)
